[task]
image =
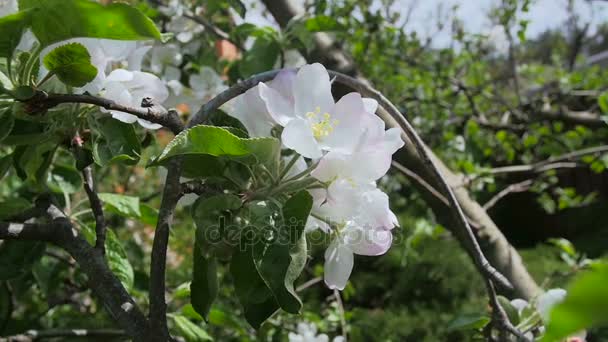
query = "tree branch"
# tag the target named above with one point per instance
(155, 113)
(517, 187)
(584, 118)
(32, 335)
(105, 285)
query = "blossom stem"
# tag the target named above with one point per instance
(289, 165)
(303, 173)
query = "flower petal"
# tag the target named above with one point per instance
(366, 241)
(279, 107)
(339, 261)
(297, 136)
(371, 105)
(147, 124)
(312, 89)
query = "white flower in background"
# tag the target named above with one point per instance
(164, 56)
(8, 7)
(307, 332)
(313, 122)
(498, 40)
(184, 29)
(173, 8)
(104, 54)
(548, 300)
(129, 88)
(206, 84)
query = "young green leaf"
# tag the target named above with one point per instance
(261, 57)
(12, 27)
(118, 261)
(281, 261)
(117, 143)
(56, 20)
(203, 289)
(189, 330)
(72, 64)
(127, 206)
(219, 142)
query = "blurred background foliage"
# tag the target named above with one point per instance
(485, 100)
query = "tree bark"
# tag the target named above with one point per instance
(495, 246)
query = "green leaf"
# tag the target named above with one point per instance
(219, 142)
(261, 57)
(118, 261)
(64, 179)
(13, 206)
(281, 261)
(602, 101)
(18, 257)
(189, 330)
(585, 306)
(72, 64)
(33, 161)
(323, 23)
(5, 165)
(8, 121)
(118, 143)
(253, 293)
(127, 206)
(468, 322)
(204, 281)
(57, 20)
(12, 27)
(510, 310)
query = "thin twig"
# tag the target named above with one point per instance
(411, 174)
(517, 187)
(309, 283)
(214, 30)
(42, 101)
(94, 201)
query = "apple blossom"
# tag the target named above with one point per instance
(312, 122)
(129, 88)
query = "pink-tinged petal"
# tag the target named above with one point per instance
(348, 119)
(371, 105)
(331, 166)
(393, 140)
(278, 106)
(366, 241)
(251, 111)
(369, 166)
(312, 89)
(297, 136)
(149, 125)
(284, 83)
(377, 213)
(339, 261)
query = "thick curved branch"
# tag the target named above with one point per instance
(106, 286)
(150, 112)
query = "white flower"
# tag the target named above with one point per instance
(251, 110)
(497, 39)
(129, 88)
(162, 56)
(8, 7)
(104, 53)
(207, 84)
(352, 239)
(548, 300)
(185, 29)
(313, 122)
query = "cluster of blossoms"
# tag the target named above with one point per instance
(127, 70)
(543, 305)
(348, 150)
